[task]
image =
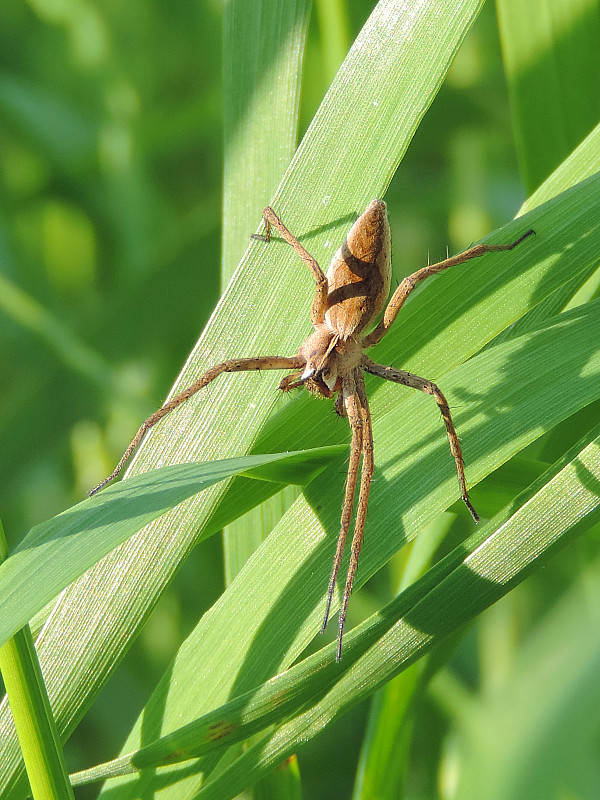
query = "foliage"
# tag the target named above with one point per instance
(111, 160)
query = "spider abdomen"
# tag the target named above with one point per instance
(359, 275)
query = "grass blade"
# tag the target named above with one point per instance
(510, 550)
(469, 579)
(551, 59)
(524, 380)
(56, 552)
(38, 736)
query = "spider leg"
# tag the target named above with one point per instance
(415, 382)
(319, 306)
(352, 405)
(368, 466)
(409, 283)
(232, 365)
(291, 381)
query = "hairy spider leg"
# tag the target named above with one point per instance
(368, 467)
(232, 365)
(353, 411)
(424, 385)
(319, 306)
(409, 283)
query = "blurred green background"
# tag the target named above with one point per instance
(111, 171)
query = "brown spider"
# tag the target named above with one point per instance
(332, 360)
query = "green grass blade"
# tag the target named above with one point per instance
(334, 34)
(263, 47)
(516, 390)
(552, 62)
(386, 747)
(384, 755)
(469, 579)
(507, 555)
(582, 163)
(34, 724)
(283, 783)
(57, 552)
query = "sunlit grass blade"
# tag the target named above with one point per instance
(56, 552)
(551, 60)
(522, 387)
(262, 69)
(508, 554)
(582, 163)
(35, 726)
(468, 580)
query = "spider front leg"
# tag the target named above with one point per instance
(424, 385)
(319, 306)
(232, 365)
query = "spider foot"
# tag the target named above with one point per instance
(338, 654)
(469, 505)
(325, 618)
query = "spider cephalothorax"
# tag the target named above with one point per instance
(332, 360)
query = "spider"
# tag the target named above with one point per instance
(332, 360)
